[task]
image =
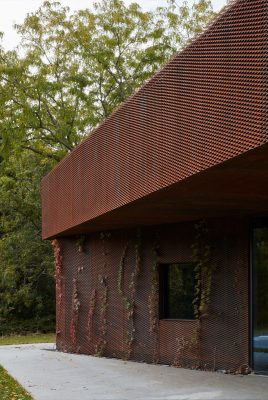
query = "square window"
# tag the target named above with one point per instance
(177, 291)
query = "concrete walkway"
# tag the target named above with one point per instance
(50, 375)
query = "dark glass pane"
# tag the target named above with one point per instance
(178, 290)
(260, 299)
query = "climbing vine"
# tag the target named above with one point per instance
(181, 345)
(204, 269)
(154, 299)
(75, 296)
(129, 302)
(190, 344)
(91, 312)
(75, 314)
(138, 253)
(195, 342)
(59, 284)
(105, 236)
(131, 307)
(101, 345)
(120, 280)
(80, 243)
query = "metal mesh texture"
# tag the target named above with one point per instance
(207, 105)
(108, 301)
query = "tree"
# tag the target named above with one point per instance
(26, 262)
(69, 73)
(76, 69)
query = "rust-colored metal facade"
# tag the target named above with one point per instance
(190, 144)
(103, 325)
(207, 105)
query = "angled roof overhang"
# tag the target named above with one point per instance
(190, 143)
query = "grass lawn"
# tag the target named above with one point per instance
(10, 389)
(27, 339)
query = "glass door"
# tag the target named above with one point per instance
(260, 297)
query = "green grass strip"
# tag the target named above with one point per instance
(10, 389)
(27, 339)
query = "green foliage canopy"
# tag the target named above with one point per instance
(73, 70)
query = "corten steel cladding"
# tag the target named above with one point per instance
(207, 105)
(204, 110)
(109, 297)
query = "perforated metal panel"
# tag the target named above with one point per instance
(207, 105)
(191, 141)
(104, 323)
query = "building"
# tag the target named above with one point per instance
(159, 217)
